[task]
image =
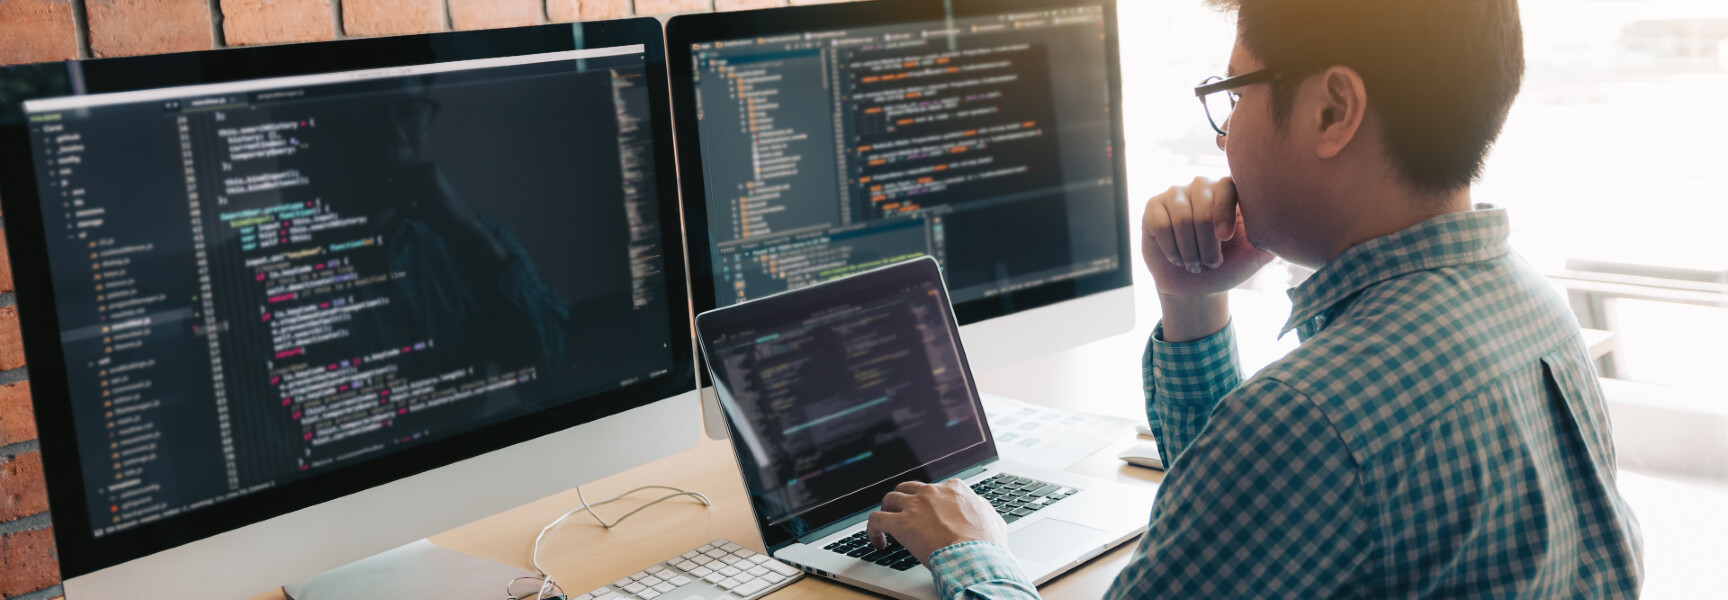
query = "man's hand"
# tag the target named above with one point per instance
(925, 518)
(1194, 243)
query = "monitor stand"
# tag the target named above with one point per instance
(420, 570)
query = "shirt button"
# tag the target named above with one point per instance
(1320, 321)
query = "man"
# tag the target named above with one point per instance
(1439, 433)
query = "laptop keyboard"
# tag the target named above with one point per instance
(895, 556)
(1018, 497)
(1013, 497)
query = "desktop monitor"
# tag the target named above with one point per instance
(821, 141)
(288, 307)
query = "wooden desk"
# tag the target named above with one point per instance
(582, 556)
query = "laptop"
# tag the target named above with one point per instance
(837, 392)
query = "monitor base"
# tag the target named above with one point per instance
(417, 570)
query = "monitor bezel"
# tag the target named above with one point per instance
(79, 551)
(683, 31)
(784, 306)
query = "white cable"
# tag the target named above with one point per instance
(534, 558)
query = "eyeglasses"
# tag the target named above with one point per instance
(1218, 97)
(534, 588)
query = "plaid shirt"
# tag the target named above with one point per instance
(1440, 433)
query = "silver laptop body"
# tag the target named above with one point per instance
(836, 392)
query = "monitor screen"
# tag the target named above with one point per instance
(985, 138)
(261, 282)
(838, 390)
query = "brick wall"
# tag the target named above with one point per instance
(51, 30)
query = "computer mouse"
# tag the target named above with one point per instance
(1143, 455)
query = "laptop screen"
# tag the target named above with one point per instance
(842, 388)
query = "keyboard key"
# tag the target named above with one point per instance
(600, 592)
(750, 588)
(655, 570)
(713, 578)
(730, 571)
(691, 554)
(704, 548)
(616, 597)
(664, 587)
(773, 578)
(781, 568)
(731, 547)
(650, 581)
(716, 553)
(647, 594)
(861, 551)
(702, 560)
(623, 582)
(744, 553)
(757, 571)
(904, 564)
(700, 572)
(728, 560)
(689, 566)
(635, 588)
(583, 597)
(680, 580)
(727, 583)
(760, 559)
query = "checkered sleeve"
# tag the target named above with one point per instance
(1266, 503)
(1183, 382)
(978, 570)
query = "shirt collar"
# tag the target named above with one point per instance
(1447, 240)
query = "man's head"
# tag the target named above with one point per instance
(1383, 105)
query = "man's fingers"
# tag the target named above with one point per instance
(910, 487)
(1224, 209)
(1205, 236)
(1182, 228)
(895, 501)
(1156, 227)
(878, 527)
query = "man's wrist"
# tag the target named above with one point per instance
(1190, 318)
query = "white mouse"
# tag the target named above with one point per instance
(1143, 455)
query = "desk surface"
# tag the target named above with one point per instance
(581, 555)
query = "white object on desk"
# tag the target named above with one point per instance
(1143, 455)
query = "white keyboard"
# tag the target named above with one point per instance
(720, 570)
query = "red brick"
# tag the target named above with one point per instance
(133, 27)
(492, 14)
(36, 31)
(29, 562)
(392, 17)
(11, 345)
(564, 11)
(5, 265)
(17, 418)
(22, 489)
(664, 7)
(252, 22)
(746, 4)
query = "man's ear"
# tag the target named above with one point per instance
(1341, 110)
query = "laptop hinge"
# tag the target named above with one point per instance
(835, 527)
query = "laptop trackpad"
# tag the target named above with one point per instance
(1054, 541)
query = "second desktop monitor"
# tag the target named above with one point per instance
(983, 138)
